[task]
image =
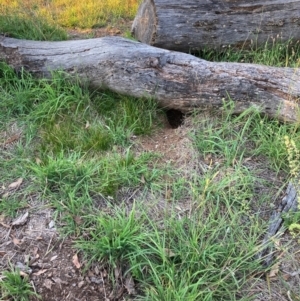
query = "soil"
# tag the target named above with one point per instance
(57, 272)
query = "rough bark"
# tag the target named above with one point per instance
(176, 80)
(188, 25)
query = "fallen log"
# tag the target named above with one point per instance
(189, 25)
(176, 80)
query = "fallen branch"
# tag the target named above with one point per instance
(176, 80)
(276, 228)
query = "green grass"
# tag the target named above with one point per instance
(104, 174)
(77, 151)
(273, 53)
(207, 256)
(112, 238)
(249, 134)
(10, 205)
(30, 27)
(15, 287)
(69, 116)
(198, 258)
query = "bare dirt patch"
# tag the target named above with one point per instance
(55, 270)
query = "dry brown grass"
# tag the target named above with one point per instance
(74, 13)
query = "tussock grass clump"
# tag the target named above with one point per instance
(74, 182)
(113, 238)
(15, 286)
(18, 93)
(207, 256)
(104, 175)
(68, 116)
(249, 134)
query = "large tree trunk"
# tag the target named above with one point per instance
(188, 25)
(176, 80)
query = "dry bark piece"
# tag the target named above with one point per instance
(48, 283)
(51, 224)
(129, 284)
(186, 25)
(176, 80)
(12, 139)
(40, 272)
(16, 184)
(80, 284)
(21, 220)
(16, 241)
(53, 257)
(76, 262)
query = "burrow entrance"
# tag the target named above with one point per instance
(175, 118)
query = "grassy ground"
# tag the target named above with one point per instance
(75, 13)
(47, 20)
(76, 149)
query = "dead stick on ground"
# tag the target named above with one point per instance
(288, 203)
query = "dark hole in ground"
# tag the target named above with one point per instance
(175, 118)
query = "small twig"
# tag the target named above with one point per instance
(48, 247)
(105, 295)
(32, 283)
(296, 273)
(8, 233)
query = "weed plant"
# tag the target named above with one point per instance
(292, 218)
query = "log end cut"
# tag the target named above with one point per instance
(144, 25)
